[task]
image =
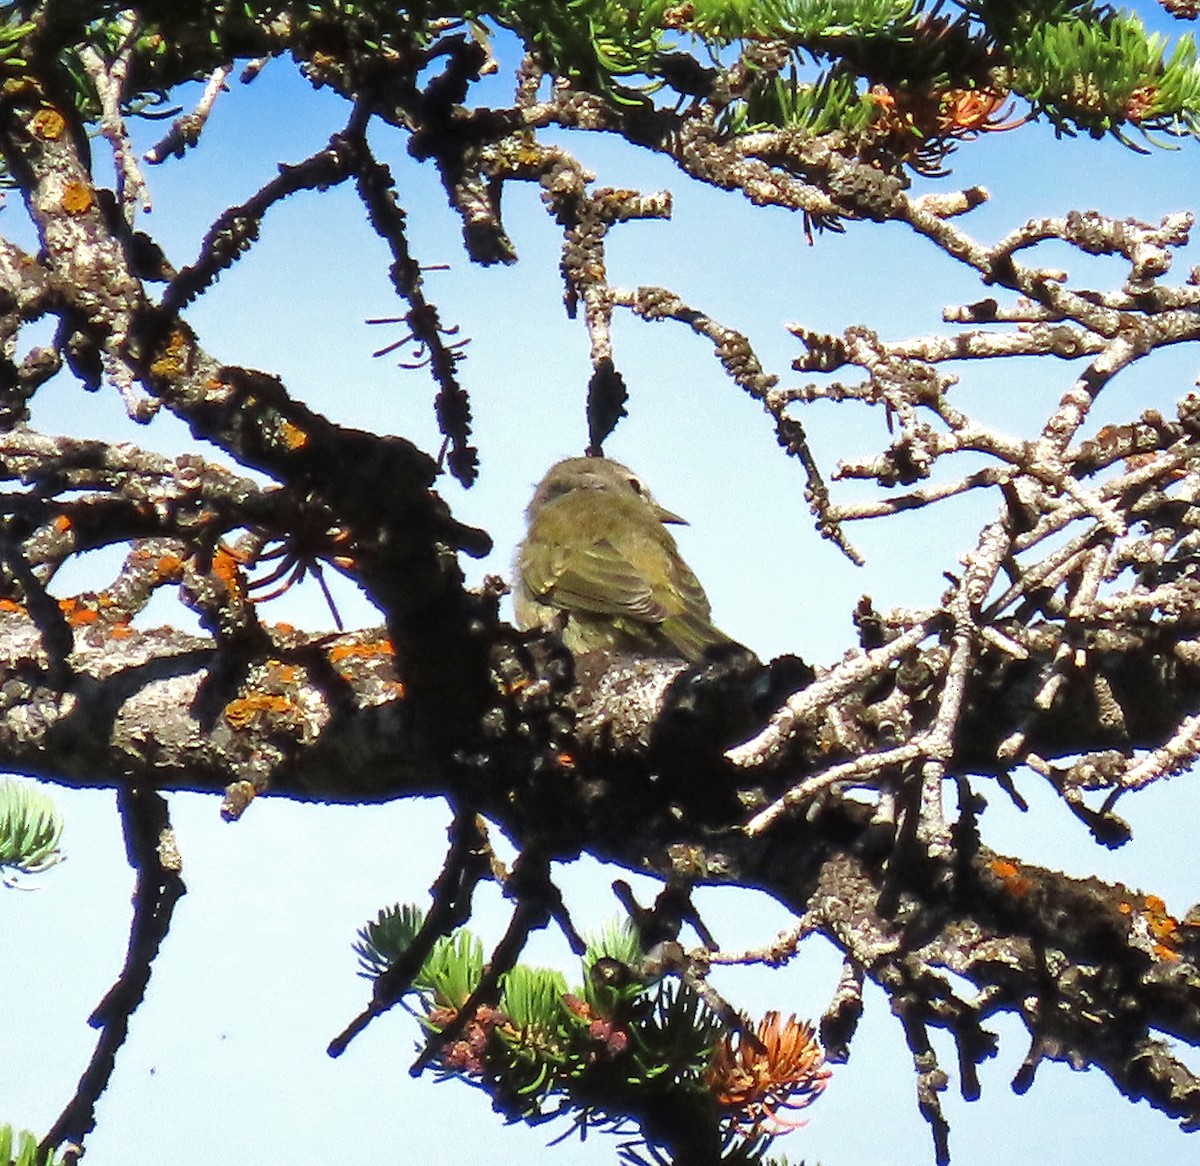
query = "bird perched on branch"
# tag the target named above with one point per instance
(599, 567)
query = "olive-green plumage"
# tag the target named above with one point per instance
(599, 567)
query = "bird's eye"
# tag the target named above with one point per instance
(637, 487)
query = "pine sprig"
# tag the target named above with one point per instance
(596, 1053)
(30, 831)
(20, 1148)
(1100, 76)
(447, 977)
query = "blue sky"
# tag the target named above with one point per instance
(226, 1058)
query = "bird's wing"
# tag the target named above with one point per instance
(690, 628)
(595, 578)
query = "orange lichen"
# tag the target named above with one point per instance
(77, 197)
(244, 711)
(77, 612)
(1010, 875)
(360, 650)
(12, 605)
(169, 568)
(62, 523)
(48, 124)
(1164, 927)
(293, 436)
(752, 1080)
(227, 567)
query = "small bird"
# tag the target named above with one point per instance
(599, 567)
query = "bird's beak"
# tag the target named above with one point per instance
(665, 515)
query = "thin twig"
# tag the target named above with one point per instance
(150, 849)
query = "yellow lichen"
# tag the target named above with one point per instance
(77, 197)
(48, 124)
(172, 362)
(244, 711)
(293, 436)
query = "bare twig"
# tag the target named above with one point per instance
(150, 849)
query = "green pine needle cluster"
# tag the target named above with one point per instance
(601, 1054)
(450, 973)
(1101, 76)
(831, 104)
(20, 1148)
(30, 831)
(12, 32)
